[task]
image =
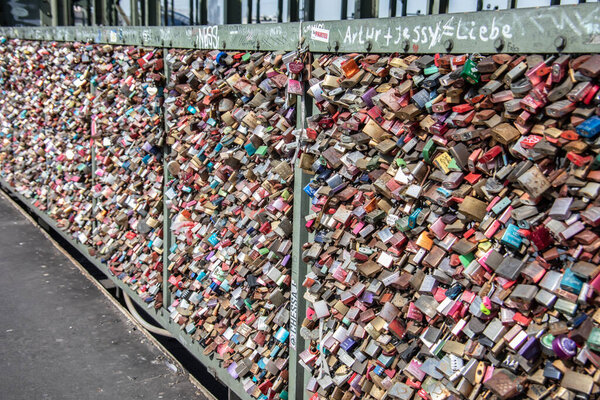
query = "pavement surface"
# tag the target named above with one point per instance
(61, 338)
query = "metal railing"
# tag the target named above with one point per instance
(564, 29)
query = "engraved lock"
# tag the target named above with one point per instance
(296, 67)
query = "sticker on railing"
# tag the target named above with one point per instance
(319, 34)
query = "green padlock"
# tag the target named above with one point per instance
(470, 72)
(596, 162)
(594, 339)
(430, 70)
(428, 151)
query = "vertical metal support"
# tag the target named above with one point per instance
(392, 8)
(166, 217)
(54, 12)
(366, 9)
(134, 13)
(511, 4)
(437, 7)
(309, 10)
(47, 211)
(88, 9)
(114, 13)
(110, 12)
(279, 11)
(107, 12)
(357, 9)
(143, 12)
(68, 13)
(249, 11)
(152, 17)
(192, 12)
(166, 12)
(47, 200)
(172, 12)
(258, 11)
(99, 12)
(299, 269)
(93, 181)
(344, 10)
(166, 232)
(94, 165)
(64, 12)
(479, 5)
(293, 10)
(46, 13)
(203, 12)
(233, 12)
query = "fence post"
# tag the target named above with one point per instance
(166, 215)
(297, 301)
(296, 384)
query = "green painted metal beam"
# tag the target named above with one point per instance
(568, 29)
(264, 37)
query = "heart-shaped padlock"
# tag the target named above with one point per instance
(296, 67)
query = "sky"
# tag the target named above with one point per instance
(330, 9)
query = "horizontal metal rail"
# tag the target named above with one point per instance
(268, 37)
(565, 29)
(161, 316)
